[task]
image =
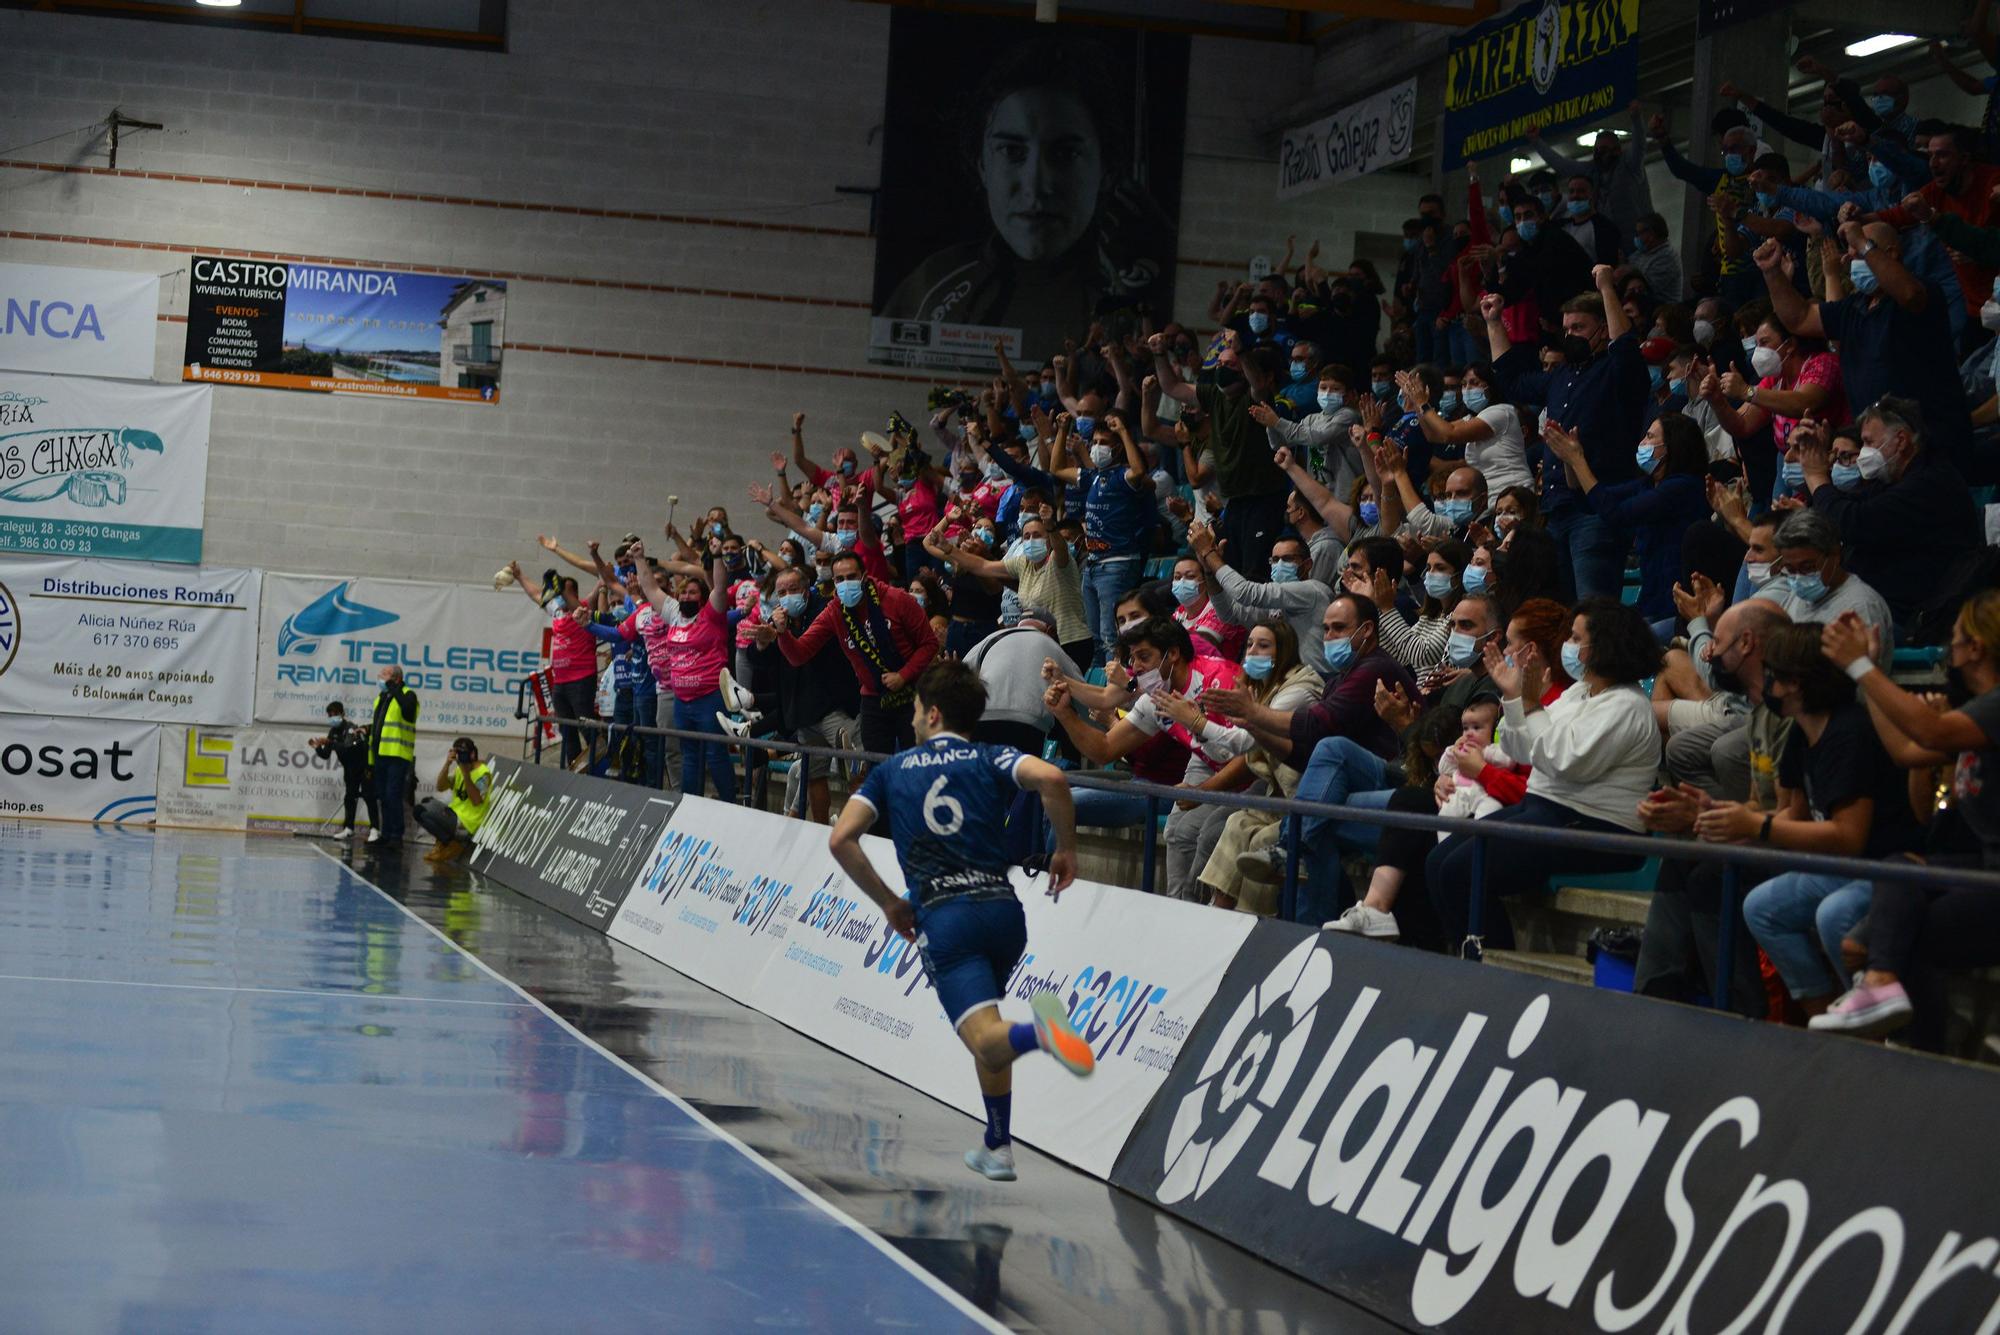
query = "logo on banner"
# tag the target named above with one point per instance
(327, 616)
(1548, 44)
(1401, 124)
(206, 764)
(10, 628)
(53, 319)
(80, 463)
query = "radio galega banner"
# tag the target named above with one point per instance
(78, 321)
(117, 640)
(334, 329)
(463, 651)
(1552, 63)
(1375, 132)
(102, 468)
(78, 768)
(1473, 1149)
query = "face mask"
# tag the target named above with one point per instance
(1882, 105)
(715, 530)
(815, 513)
(1758, 571)
(1448, 403)
(1766, 362)
(1646, 458)
(1257, 666)
(1809, 587)
(1456, 510)
(1881, 177)
(1704, 332)
(1228, 377)
(1284, 572)
(1331, 401)
(1100, 456)
(1371, 513)
(1187, 591)
(847, 468)
(1149, 681)
(991, 471)
(917, 593)
(1409, 243)
(1027, 433)
(1846, 476)
(845, 538)
(1656, 376)
(1476, 398)
(690, 607)
(1339, 653)
(1474, 579)
(1527, 229)
(1989, 315)
(1035, 549)
(1260, 323)
(794, 604)
(1578, 207)
(848, 591)
(556, 604)
(1576, 349)
(1504, 520)
(1130, 622)
(1734, 164)
(1381, 389)
(1572, 660)
(1794, 474)
(1506, 215)
(1548, 198)
(1862, 277)
(1461, 649)
(1677, 390)
(1301, 371)
(1048, 389)
(1436, 583)
(1873, 463)
(1767, 202)
(1727, 680)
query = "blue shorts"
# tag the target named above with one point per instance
(969, 948)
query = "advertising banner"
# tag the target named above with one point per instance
(332, 329)
(1552, 63)
(463, 651)
(115, 640)
(1375, 132)
(78, 321)
(754, 905)
(78, 768)
(568, 841)
(102, 468)
(1044, 199)
(1479, 1150)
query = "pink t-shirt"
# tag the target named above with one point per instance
(919, 509)
(651, 627)
(697, 650)
(1225, 636)
(744, 597)
(572, 649)
(1822, 368)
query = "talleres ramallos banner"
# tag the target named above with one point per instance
(102, 468)
(100, 769)
(1556, 64)
(100, 322)
(339, 329)
(463, 650)
(122, 639)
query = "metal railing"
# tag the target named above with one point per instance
(1735, 858)
(472, 354)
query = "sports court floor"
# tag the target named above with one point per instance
(242, 1088)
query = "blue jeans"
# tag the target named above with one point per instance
(699, 716)
(1104, 809)
(1512, 867)
(632, 707)
(1591, 556)
(392, 790)
(1462, 348)
(1341, 772)
(1797, 916)
(1104, 583)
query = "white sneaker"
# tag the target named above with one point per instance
(1368, 922)
(342, 836)
(734, 698)
(374, 836)
(734, 727)
(994, 1165)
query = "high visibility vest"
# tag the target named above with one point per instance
(396, 736)
(468, 812)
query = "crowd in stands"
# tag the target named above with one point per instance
(1543, 530)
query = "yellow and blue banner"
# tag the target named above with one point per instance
(1552, 63)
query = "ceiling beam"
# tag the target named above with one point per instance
(299, 20)
(1405, 11)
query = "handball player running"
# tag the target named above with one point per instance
(946, 801)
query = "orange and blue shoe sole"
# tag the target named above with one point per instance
(1058, 1037)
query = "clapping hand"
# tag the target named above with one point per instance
(1704, 600)
(1393, 705)
(1845, 640)
(1182, 710)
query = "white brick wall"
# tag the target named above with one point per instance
(754, 110)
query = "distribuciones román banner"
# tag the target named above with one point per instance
(336, 329)
(78, 321)
(1548, 63)
(102, 468)
(78, 768)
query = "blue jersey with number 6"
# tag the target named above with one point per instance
(946, 801)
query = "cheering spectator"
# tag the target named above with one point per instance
(1322, 439)
(1817, 584)
(1616, 173)
(1490, 434)
(1596, 234)
(1546, 268)
(1289, 593)
(888, 642)
(1193, 590)
(1652, 254)
(1044, 573)
(572, 659)
(1657, 508)
(1730, 182)
(1252, 485)
(695, 635)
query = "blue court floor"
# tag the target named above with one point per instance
(240, 1089)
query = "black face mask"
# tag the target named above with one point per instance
(1577, 350)
(690, 606)
(1227, 377)
(1720, 677)
(1956, 689)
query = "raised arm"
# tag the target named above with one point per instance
(1617, 323)
(1787, 303)
(1136, 475)
(521, 580)
(550, 546)
(1337, 514)
(1169, 375)
(1897, 282)
(806, 466)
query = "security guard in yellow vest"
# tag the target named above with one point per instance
(469, 780)
(392, 750)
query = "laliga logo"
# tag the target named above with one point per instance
(1262, 1042)
(327, 615)
(10, 628)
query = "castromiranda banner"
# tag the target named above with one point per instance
(102, 468)
(1375, 132)
(169, 644)
(78, 321)
(568, 841)
(463, 651)
(1552, 63)
(335, 329)
(754, 905)
(1471, 1149)
(78, 768)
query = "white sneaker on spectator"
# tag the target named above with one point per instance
(342, 836)
(374, 836)
(1366, 921)
(735, 727)
(734, 698)
(1266, 867)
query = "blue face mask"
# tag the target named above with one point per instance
(1767, 202)
(815, 513)
(1578, 207)
(1572, 660)
(1548, 198)
(1656, 376)
(1476, 399)
(1028, 433)
(1735, 164)
(1474, 579)
(1284, 572)
(1457, 511)
(1339, 653)
(847, 468)
(1794, 474)
(1187, 591)
(1436, 583)
(1880, 176)
(1527, 229)
(1409, 243)
(1300, 372)
(1035, 549)
(1809, 587)
(1461, 649)
(848, 591)
(1257, 666)
(845, 538)
(1260, 323)
(1506, 215)
(1676, 390)
(1846, 476)
(1086, 427)
(1863, 277)
(1882, 105)
(1646, 458)
(794, 604)
(1331, 400)
(1381, 389)
(1448, 402)
(1371, 513)
(715, 530)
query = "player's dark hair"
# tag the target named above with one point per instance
(956, 692)
(1163, 633)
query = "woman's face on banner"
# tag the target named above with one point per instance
(1042, 166)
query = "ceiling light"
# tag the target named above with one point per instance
(1590, 140)
(1871, 46)
(1519, 165)
(219, 4)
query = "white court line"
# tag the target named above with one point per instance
(874, 1239)
(268, 991)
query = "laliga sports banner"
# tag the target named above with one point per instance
(568, 841)
(463, 651)
(127, 640)
(78, 768)
(334, 329)
(1375, 132)
(1477, 1150)
(1552, 63)
(754, 905)
(78, 321)
(102, 468)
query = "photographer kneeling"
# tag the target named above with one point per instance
(469, 780)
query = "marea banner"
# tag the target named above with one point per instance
(1375, 132)
(464, 651)
(1548, 63)
(568, 841)
(336, 329)
(78, 321)
(102, 468)
(78, 768)
(125, 640)
(1473, 1149)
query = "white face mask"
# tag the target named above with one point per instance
(1766, 362)
(1149, 681)
(1758, 571)
(1874, 464)
(1989, 315)
(1704, 332)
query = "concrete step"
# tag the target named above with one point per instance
(1605, 906)
(1543, 964)
(1561, 923)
